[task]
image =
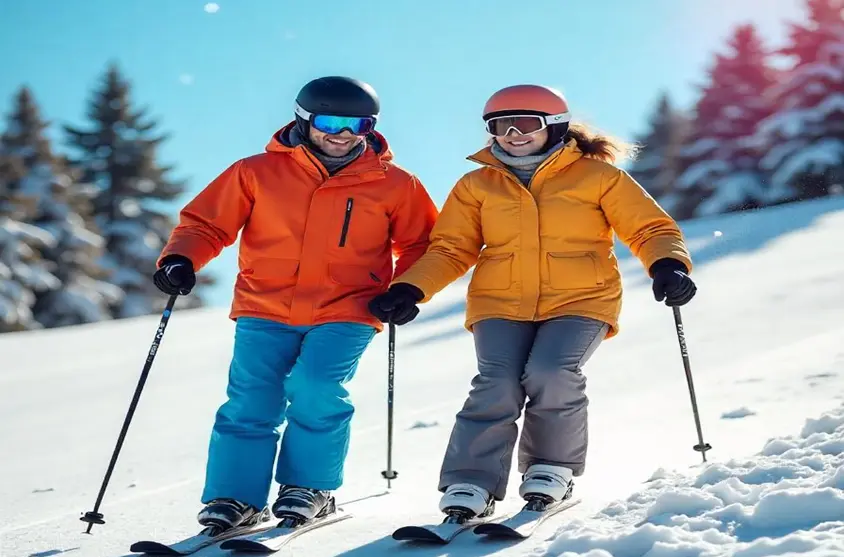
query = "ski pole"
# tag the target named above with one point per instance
(389, 473)
(94, 516)
(681, 337)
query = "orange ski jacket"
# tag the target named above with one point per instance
(313, 248)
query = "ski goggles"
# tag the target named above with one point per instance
(524, 124)
(332, 125)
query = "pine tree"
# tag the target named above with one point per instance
(24, 274)
(50, 211)
(657, 164)
(16, 299)
(720, 165)
(119, 151)
(811, 42)
(803, 141)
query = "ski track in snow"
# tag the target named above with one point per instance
(767, 354)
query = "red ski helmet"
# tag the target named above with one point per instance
(526, 99)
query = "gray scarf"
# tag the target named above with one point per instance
(332, 164)
(523, 167)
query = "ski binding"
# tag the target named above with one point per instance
(275, 538)
(452, 525)
(525, 522)
(207, 537)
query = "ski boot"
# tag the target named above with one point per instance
(222, 514)
(463, 501)
(544, 485)
(297, 505)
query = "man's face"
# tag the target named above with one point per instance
(335, 145)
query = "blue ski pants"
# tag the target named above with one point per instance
(284, 373)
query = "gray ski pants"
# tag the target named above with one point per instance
(540, 361)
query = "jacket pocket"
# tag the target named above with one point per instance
(352, 275)
(493, 272)
(573, 270)
(268, 275)
(347, 219)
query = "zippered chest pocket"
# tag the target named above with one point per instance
(359, 225)
(347, 219)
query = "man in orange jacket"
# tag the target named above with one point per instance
(321, 214)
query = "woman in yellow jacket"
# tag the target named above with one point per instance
(537, 222)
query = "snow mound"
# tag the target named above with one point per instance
(786, 501)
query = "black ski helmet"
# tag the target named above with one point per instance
(336, 96)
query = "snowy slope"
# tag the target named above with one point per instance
(767, 347)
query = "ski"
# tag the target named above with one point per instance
(441, 533)
(272, 540)
(205, 538)
(524, 522)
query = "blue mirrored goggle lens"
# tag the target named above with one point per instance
(336, 124)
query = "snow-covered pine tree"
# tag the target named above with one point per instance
(18, 259)
(118, 157)
(803, 142)
(720, 168)
(25, 274)
(657, 165)
(55, 204)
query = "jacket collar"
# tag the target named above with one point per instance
(559, 160)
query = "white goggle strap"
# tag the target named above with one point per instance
(560, 118)
(301, 112)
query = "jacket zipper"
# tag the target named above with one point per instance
(349, 204)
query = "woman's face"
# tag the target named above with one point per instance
(519, 145)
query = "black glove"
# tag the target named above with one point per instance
(397, 305)
(672, 283)
(175, 275)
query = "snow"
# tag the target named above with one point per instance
(15, 302)
(738, 413)
(780, 151)
(765, 340)
(650, 162)
(731, 191)
(804, 75)
(21, 272)
(702, 171)
(824, 154)
(51, 258)
(701, 147)
(81, 300)
(27, 233)
(793, 123)
(734, 112)
(670, 201)
(770, 504)
(796, 149)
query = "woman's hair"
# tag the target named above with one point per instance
(597, 145)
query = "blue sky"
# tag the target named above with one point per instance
(221, 82)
